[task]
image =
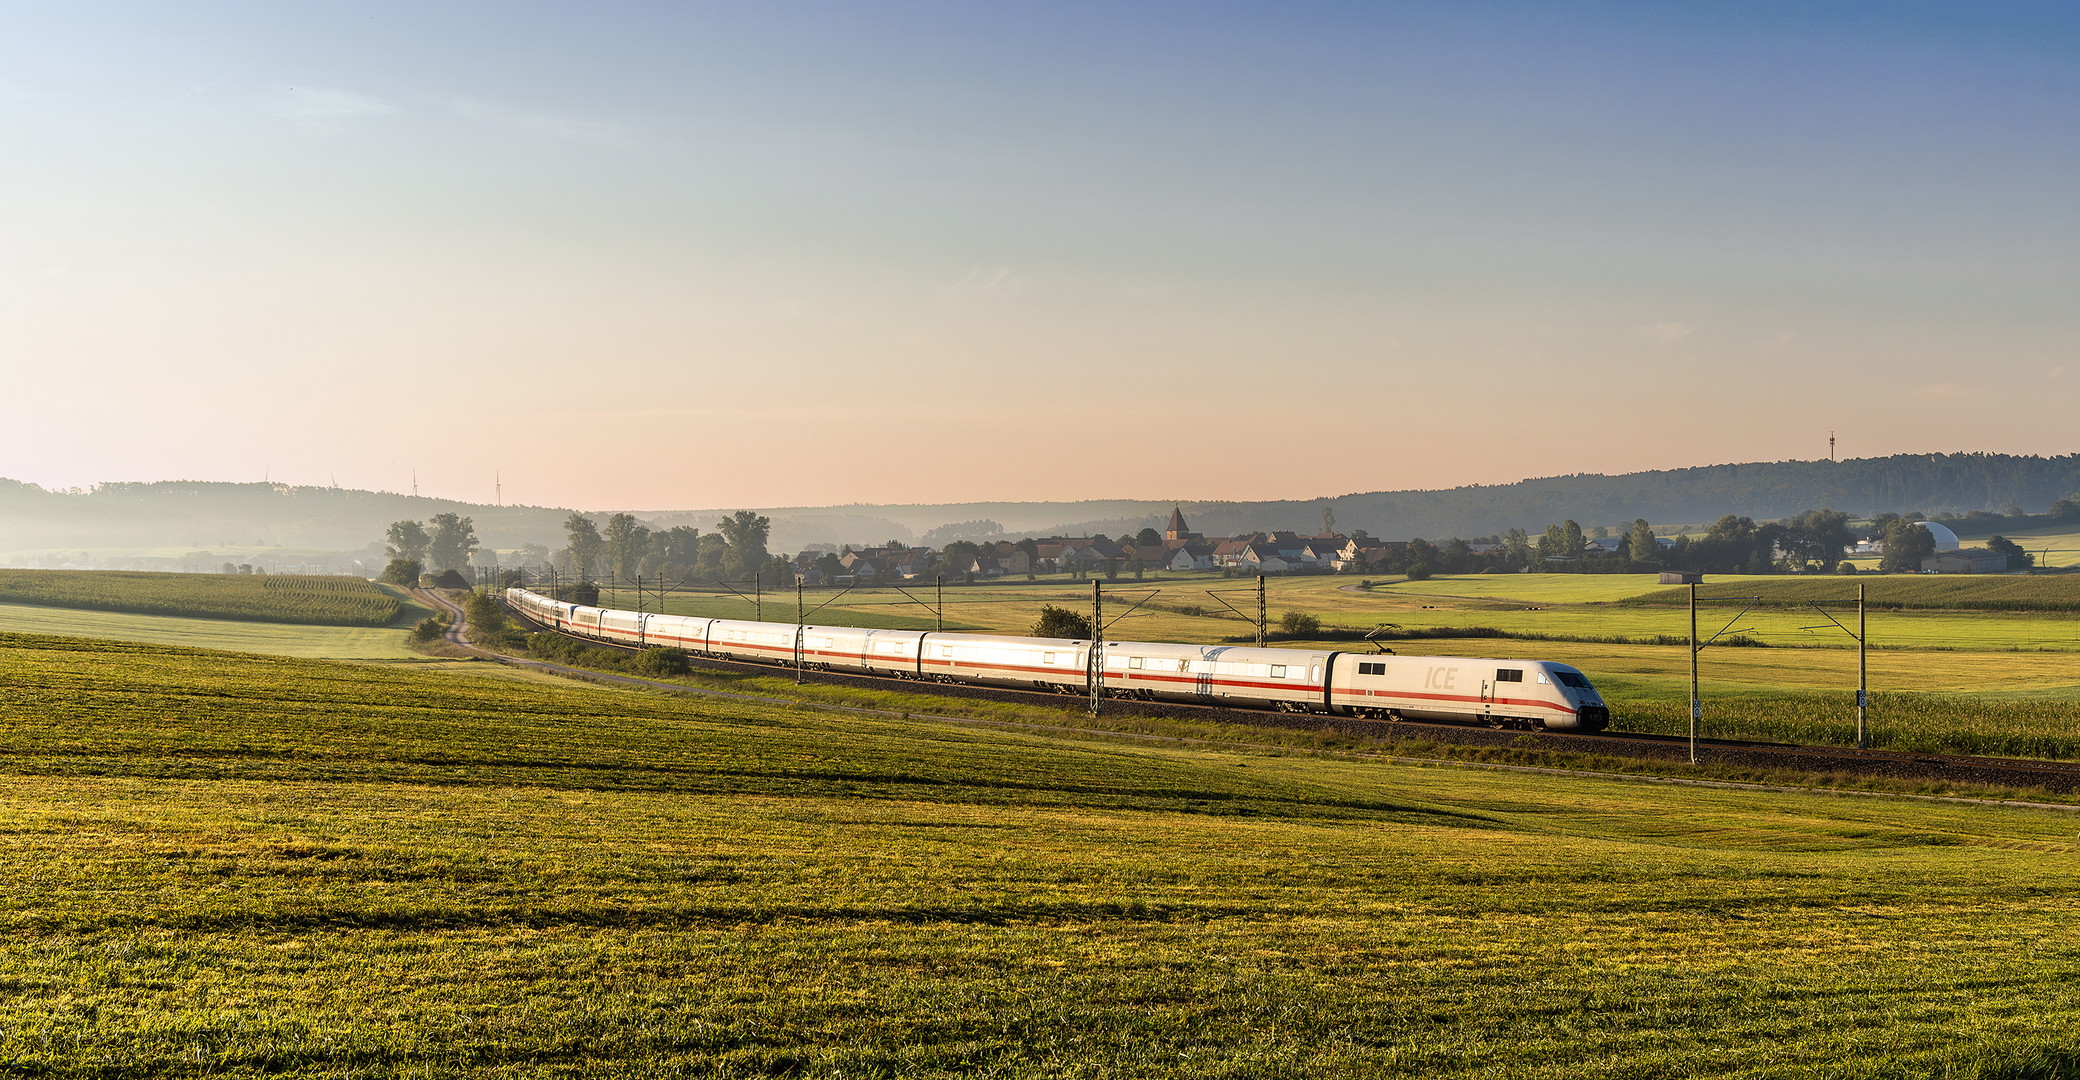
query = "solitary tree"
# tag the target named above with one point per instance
(674, 551)
(1420, 560)
(1906, 544)
(2018, 558)
(408, 540)
(960, 556)
(746, 533)
(585, 544)
(1643, 549)
(454, 540)
(1518, 543)
(625, 542)
(1817, 536)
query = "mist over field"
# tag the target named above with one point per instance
(166, 525)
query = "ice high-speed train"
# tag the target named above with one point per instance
(1535, 694)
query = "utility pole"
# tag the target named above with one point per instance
(1696, 706)
(941, 613)
(758, 600)
(1863, 675)
(1097, 654)
(1262, 619)
(800, 617)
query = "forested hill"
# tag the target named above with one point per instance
(178, 514)
(185, 513)
(1931, 483)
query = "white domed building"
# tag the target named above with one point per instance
(1945, 539)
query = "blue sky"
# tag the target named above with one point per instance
(831, 253)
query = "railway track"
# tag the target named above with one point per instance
(2053, 776)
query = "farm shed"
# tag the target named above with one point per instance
(1966, 561)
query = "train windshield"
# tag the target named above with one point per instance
(1569, 678)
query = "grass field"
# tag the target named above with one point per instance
(1946, 678)
(283, 598)
(226, 865)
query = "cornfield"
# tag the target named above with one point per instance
(285, 598)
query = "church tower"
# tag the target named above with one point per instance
(1177, 532)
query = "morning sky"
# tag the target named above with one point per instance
(677, 255)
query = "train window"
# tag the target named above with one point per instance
(1509, 674)
(1314, 674)
(1278, 671)
(1184, 665)
(1047, 658)
(1134, 662)
(1569, 678)
(1372, 669)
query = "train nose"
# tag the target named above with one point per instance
(1593, 717)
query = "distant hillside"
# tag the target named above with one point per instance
(185, 514)
(1930, 483)
(197, 514)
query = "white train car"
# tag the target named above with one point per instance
(537, 607)
(676, 632)
(1042, 663)
(1509, 693)
(1288, 679)
(891, 652)
(742, 639)
(1517, 693)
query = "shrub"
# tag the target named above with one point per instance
(450, 579)
(402, 572)
(1058, 622)
(664, 661)
(1299, 624)
(1845, 567)
(428, 629)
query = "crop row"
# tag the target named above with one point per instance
(284, 598)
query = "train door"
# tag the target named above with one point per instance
(1487, 706)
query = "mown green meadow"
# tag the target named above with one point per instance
(217, 864)
(320, 600)
(1958, 665)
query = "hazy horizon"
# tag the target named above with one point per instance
(657, 256)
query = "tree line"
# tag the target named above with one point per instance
(625, 549)
(444, 544)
